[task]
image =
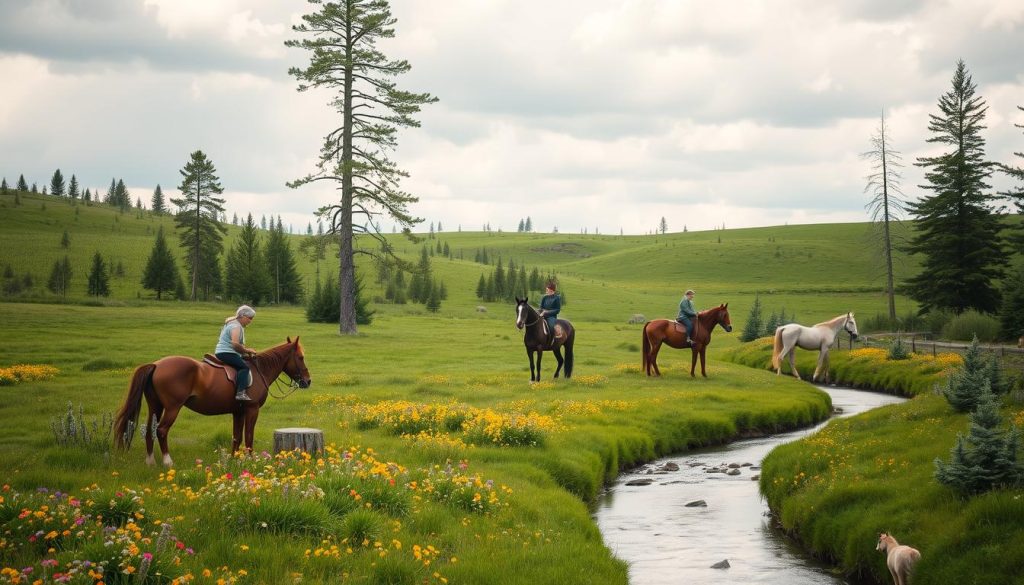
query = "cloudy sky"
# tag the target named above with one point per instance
(597, 114)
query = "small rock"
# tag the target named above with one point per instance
(721, 564)
(755, 477)
(734, 466)
(733, 471)
(755, 468)
(747, 465)
(671, 466)
(640, 482)
(697, 504)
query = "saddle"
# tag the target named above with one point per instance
(559, 332)
(229, 371)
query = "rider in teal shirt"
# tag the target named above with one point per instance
(550, 305)
(687, 313)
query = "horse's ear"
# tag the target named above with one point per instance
(289, 338)
(725, 306)
(296, 340)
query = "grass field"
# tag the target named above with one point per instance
(448, 465)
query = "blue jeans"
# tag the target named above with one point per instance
(234, 360)
(687, 322)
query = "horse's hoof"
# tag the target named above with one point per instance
(150, 460)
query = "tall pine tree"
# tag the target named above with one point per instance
(157, 204)
(201, 232)
(99, 280)
(57, 184)
(247, 280)
(957, 231)
(284, 275)
(887, 204)
(60, 277)
(73, 188)
(22, 185)
(345, 57)
(161, 274)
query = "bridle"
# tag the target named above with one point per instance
(291, 386)
(532, 323)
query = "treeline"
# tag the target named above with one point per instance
(417, 284)
(505, 284)
(117, 194)
(759, 326)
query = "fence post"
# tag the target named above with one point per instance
(933, 349)
(913, 343)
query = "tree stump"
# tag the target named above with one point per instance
(303, 439)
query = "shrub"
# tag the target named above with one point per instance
(970, 324)
(979, 374)
(989, 458)
(753, 328)
(71, 430)
(898, 349)
(361, 527)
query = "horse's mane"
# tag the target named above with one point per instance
(832, 321)
(711, 310)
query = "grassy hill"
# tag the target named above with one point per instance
(816, 271)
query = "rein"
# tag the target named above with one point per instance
(277, 382)
(532, 323)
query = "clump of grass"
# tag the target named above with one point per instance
(282, 515)
(362, 527)
(898, 350)
(115, 508)
(965, 326)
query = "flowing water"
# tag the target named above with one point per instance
(665, 542)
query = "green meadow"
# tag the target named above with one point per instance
(446, 464)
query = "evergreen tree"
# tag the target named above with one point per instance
(87, 197)
(22, 185)
(887, 204)
(1011, 314)
(3, 186)
(60, 277)
(662, 225)
(57, 184)
(489, 293)
(754, 325)
(161, 273)
(122, 199)
(500, 287)
(201, 233)
(234, 219)
(99, 281)
(110, 198)
(987, 458)
(342, 38)
(248, 279)
(481, 287)
(325, 303)
(434, 300)
(529, 224)
(284, 274)
(964, 385)
(957, 231)
(522, 226)
(73, 188)
(157, 203)
(65, 240)
(34, 188)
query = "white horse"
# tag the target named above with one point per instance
(900, 558)
(819, 337)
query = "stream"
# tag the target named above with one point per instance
(665, 542)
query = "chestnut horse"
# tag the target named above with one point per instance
(671, 333)
(175, 381)
(535, 338)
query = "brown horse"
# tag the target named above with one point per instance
(671, 333)
(175, 381)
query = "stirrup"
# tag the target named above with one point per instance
(242, 396)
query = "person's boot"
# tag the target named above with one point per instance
(242, 396)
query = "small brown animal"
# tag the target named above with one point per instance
(899, 557)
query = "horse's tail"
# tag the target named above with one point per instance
(647, 346)
(128, 418)
(777, 348)
(568, 354)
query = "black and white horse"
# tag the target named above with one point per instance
(536, 338)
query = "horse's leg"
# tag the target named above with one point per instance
(163, 428)
(822, 354)
(251, 414)
(693, 360)
(529, 354)
(656, 347)
(703, 348)
(558, 357)
(540, 354)
(236, 433)
(792, 361)
(152, 418)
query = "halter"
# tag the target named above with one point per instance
(293, 383)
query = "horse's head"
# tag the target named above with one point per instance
(523, 311)
(851, 325)
(295, 367)
(723, 318)
(884, 542)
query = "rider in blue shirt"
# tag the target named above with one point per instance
(550, 305)
(687, 313)
(231, 347)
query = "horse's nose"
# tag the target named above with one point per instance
(728, 328)
(305, 383)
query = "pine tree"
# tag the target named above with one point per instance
(754, 325)
(662, 225)
(157, 203)
(122, 199)
(201, 233)
(60, 277)
(964, 385)
(1011, 313)
(99, 281)
(522, 226)
(248, 279)
(500, 287)
(284, 274)
(73, 188)
(1017, 196)
(342, 39)
(22, 185)
(57, 184)
(987, 458)
(87, 197)
(957, 232)
(65, 240)
(35, 189)
(3, 186)
(434, 300)
(529, 225)
(161, 273)
(110, 198)
(481, 287)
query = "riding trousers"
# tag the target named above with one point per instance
(234, 360)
